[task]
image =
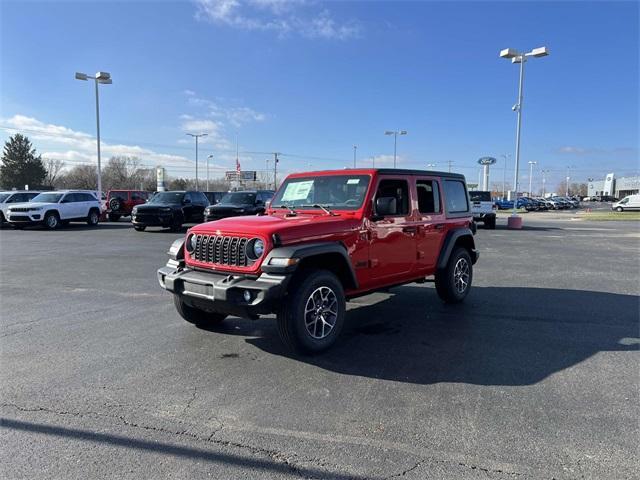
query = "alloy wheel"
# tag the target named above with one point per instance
(461, 275)
(321, 312)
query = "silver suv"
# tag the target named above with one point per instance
(52, 209)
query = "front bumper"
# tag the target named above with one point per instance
(25, 218)
(153, 220)
(224, 293)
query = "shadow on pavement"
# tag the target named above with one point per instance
(499, 336)
(268, 466)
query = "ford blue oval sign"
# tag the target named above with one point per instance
(487, 161)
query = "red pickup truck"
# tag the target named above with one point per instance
(326, 237)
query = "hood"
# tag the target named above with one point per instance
(303, 227)
(228, 206)
(32, 205)
(152, 206)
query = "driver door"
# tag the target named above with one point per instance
(392, 249)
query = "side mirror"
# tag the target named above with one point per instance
(259, 203)
(386, 206)
(186, 201)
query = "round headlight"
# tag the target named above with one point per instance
(191, 243)
(255, 249)
(258, 247)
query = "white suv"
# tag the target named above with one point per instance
(54, 208)
(12, 197)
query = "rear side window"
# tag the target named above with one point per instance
(121, 195)
(86, 197)
(456, 196)
(428, 196)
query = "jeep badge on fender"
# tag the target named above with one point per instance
(326, 237)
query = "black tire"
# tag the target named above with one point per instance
(490, 223)
(139, 228)
(51, 220)
(93, 218)
(619, 209)
(321, 289)
(196, 316)
(450, 280)
(114, 217)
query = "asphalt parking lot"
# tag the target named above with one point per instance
(535, 376)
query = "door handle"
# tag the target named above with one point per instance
(439, 226)
(409, 229)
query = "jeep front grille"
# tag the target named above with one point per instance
(222, 250)
(20, 209)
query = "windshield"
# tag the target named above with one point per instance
(480, 196)
(4, 196)
(167, 197)
(239, 198)
(341, 192)
(47, 197)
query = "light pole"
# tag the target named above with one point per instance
(373, 161)
(105, 79)
(568, 178)
(521, 58)
(355, 147)
(197, 136)
(208, 157)
(531, 164)
(504, 175)
(395, 134)
(544, 181)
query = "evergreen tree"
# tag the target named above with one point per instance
(20, 164)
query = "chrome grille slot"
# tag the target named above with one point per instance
(222, 250)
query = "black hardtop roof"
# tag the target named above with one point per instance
(405, 171)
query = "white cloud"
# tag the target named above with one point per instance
(385, 160)
(282, 17)
(75, 147)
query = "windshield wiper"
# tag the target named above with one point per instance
(291, 210)
(325, 209)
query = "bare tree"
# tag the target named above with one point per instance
(53, 167)
(81, 177)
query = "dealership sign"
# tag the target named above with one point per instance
(487, 161)
(246, 175)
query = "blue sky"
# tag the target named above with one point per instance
(311, 79)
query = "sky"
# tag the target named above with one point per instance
(311, 79)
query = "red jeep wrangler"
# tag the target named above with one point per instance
(121, 202)
(327, 237)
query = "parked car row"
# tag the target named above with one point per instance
(146, 209)
(540, 204)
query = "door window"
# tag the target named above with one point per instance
(428, 196)
(398, 190)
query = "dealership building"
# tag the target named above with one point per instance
(612, 186)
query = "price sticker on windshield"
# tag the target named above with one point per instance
(297, 191)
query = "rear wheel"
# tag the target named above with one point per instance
(139, 228)
(51, 220)
(93, 218)
(454, 281)
(490, 222)
(312, 315)
(114, 217)
(196, 316)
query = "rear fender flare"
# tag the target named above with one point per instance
(453, 236)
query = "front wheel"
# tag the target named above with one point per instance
(196, 316)
(454, 281)
(619, 209)
(114, 217)
(312, 315)
(139, 228)
(490, 223)
(51, 220)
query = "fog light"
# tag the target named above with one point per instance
(247, 296)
